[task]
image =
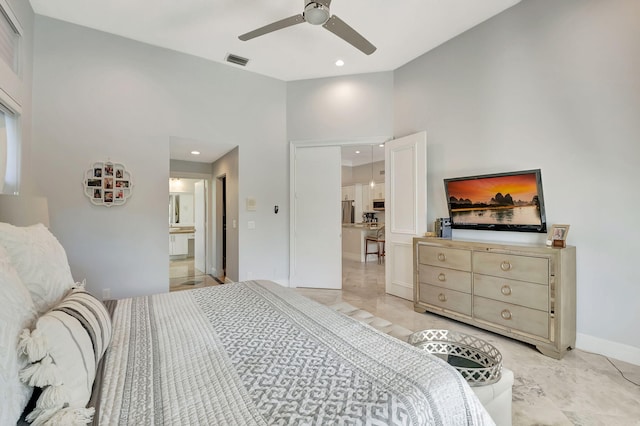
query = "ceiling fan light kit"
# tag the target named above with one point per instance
(316, 12)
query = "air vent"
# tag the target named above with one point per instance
(238, 60)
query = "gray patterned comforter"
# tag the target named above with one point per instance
(255, 353)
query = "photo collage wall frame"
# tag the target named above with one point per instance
(107, 183)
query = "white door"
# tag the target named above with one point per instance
(405, 209)
(200, 227)
(316, 245)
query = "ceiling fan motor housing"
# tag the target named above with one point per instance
(316, 13)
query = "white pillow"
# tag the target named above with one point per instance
(41, 262)
(16, 312)
(65, 347)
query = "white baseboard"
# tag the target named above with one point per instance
(352, 256)
(615, 350)
(400, 290)
(283, 283)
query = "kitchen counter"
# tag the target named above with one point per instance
(181, 230)
(353, 235)
(363, 225)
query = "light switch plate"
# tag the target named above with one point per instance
(251, 204)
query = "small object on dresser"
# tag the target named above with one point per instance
(442, 227)
(478, 361)
(557, 236)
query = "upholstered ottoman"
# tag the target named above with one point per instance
(496, 398)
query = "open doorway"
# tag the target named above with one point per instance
(363, 214)
(343, 220)
(221, 226)
(188, 234)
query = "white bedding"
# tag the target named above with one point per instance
(256, 353)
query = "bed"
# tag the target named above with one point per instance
(247, 353)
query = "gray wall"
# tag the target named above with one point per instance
(189, 167)
(342, 108)
(362, 173)
(97, 97)
(551, 85)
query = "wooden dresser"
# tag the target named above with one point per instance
(527, 292)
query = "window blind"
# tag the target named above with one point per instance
(9, 38)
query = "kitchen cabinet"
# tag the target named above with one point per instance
(377, 192)
(366, 198)
(371, 193)
(349, 192)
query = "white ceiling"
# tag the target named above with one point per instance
(401, 31)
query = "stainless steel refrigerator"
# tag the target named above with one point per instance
(347, 211)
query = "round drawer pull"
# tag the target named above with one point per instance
(506, 314)
(506, 290)
(442, 277)
(442, 297)
(442, 257)
(505, 265)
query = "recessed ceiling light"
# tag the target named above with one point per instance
(357, 152)
(381, 145)
(339, 63)
(195, 152)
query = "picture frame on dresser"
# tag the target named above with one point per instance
(557, 235)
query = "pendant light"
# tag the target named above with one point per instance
(372, 184)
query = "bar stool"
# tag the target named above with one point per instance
(378, 242)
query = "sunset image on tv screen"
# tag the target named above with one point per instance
(511, 199)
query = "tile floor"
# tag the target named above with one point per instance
(581, 389)
(183, 275)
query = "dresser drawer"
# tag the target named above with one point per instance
(514, 317)
(515, 267)
(529, 295)
(443, 277)
(450, 300)
(445, 257)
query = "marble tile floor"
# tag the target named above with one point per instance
(581, 389)
(184, 276)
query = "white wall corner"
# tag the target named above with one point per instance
(610, 349)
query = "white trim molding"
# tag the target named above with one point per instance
(615, 350)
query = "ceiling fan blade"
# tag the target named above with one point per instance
(348, 34)
(274, 26)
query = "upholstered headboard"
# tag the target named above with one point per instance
(23, 210)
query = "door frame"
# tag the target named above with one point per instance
(208, 208)
(219, 267)
(293, 145)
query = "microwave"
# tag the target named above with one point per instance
(377, 204)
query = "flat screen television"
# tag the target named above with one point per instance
(510, 201)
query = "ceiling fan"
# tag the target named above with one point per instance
(316, 12)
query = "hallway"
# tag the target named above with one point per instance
(184, 276)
